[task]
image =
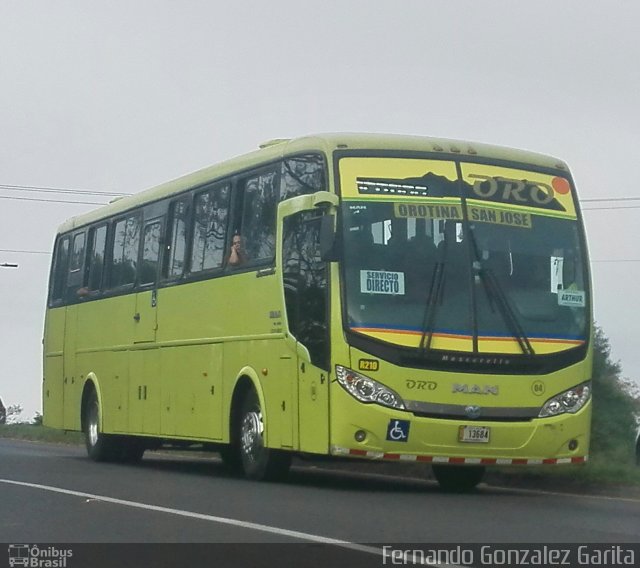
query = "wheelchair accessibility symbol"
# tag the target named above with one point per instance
(398, 430)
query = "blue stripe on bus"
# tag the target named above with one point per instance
(467, 332)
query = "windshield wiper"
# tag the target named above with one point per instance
(496, 295)
(434, 297)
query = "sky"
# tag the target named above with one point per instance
(120, 96)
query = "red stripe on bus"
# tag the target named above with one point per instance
(424, 458)
(358, 452)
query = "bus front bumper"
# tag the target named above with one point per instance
(385, 434)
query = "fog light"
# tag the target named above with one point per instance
(573, 445)
(360, 436)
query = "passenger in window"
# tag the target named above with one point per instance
(237, 255)
(83, 292)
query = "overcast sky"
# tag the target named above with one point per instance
(119, 96)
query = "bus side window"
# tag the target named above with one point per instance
(258, 224)
(97, 249)
(302, 175)
(211, 215)
(124, 257)
(150, 253)
(59, 273)
(176, 251)
(76, 265)
(305, 284)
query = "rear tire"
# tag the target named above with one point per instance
(258, 462)
(458, 478)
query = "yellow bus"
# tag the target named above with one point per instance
(377, 297)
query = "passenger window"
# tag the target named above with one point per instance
(124, 259)
(177, 250)
(302, 175)
(210, 228)
(77, 256)
(258, 225)
(98, 245)
(150, 253)
(76, 274)
(59, 276)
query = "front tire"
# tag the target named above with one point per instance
(258, 462)
(100, 446)
(458, 478)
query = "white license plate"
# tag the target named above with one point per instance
(474, 434)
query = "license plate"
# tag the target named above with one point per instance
(474, 434)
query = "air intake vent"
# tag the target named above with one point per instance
(274, 142)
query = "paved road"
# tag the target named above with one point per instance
(61, 496)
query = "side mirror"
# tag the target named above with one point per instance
(329, 248)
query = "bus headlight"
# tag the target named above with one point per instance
(367, 390)
(569, 401)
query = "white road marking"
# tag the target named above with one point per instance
(200, 516)
(580, 496)
(215, 519)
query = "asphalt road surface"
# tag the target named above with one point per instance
(52, 493)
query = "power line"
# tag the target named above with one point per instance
(618, 260)
(26, 251)
(607, 208)
(612, 260)
(590, 199)
(52, 200)
(41, 189)
(65, 190)
(49, 189)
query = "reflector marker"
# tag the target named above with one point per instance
(453, 460)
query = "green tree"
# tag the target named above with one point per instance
(614, 408)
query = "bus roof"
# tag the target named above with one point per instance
(327, 143)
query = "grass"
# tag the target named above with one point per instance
(38, 433)
(594, 477)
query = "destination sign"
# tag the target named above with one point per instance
(426, 211)
(499, 217)
(477, 213)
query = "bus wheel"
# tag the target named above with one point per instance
(458, 478)
(100, 447)
(258, 462)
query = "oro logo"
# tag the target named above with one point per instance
(514, 190)
(538, 388)
(421, 385)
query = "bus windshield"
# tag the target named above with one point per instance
(436, 263)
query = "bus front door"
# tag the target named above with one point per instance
(305, 291)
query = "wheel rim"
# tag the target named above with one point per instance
(93, 426)
(251, 435)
